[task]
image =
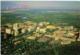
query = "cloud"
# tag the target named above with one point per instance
(42, 4)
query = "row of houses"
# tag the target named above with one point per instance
(40, 30)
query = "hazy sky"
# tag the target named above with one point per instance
(74, 5)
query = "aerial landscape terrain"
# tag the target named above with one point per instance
(40, 28)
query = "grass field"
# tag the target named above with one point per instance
(70, 18)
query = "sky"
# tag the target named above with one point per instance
(72, 5)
